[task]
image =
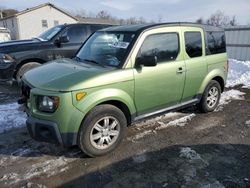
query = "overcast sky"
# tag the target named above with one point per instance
(168, 10)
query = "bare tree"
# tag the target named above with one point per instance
(160, 18)
(7, 12)
(104, 15)
(81, 13)
(220, 19)
(233, 21)
(200, 21)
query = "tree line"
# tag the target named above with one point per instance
(218, 18)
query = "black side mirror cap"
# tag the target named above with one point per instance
(61, 39)
(147, 61)
(64, 39)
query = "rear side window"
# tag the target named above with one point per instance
(164, 46)
(193, 44)
(216, 42)
(76, 34)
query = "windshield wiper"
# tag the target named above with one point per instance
(93, 61)
(77, 58)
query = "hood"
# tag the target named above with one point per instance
(63, 75)
(14, 45)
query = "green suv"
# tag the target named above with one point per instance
(120, 75)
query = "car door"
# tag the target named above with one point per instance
(159, 86)
(76, 35)
(195, 60)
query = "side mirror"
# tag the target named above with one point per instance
(64, 39)
(61, 39)
(147, 61)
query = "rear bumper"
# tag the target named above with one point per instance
(48, 131)
(6, 70)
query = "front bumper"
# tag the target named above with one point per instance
(48, 131)
(6, 70)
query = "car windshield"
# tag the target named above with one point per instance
(106, 48)
(50, 33)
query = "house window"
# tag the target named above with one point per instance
(56, 22)
(44, 23)
(12, 23)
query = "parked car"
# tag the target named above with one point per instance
(4, 34)
(121, 75)
(19, 56)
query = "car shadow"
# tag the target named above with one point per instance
(205, 165)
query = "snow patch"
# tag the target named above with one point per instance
(238, 73)
(10, 176)
(180, 122)
(50, 167)
(156, 119)
(248, 123)
(139, 158)
(141, 135)
(190, 154)
(11, 116)
(31, 185)
(228, 96)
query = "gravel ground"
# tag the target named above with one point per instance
(181, 149)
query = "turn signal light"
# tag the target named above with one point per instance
(80, 96)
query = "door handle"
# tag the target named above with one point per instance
(180, 70)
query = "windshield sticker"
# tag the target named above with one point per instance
(120, 45)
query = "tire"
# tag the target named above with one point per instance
(23, 69)
(94, 133)
(211, 97)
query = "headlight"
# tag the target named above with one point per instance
(5, 58)
(47, 103)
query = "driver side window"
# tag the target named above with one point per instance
(165, 46)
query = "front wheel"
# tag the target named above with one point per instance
(211, 97)
(23, 69)
(102, 130)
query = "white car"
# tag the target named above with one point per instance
(4, 34)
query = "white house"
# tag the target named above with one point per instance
(33, 21)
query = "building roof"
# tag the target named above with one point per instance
(238, 28)
(96, 21)
(37, 7)
(142, 27)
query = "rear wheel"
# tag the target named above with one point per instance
(102, 130)
(24, 68)
(211, 97)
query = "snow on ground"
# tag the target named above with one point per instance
(180, 122)
(157, 119)
(50, 167)
(248, 123)
(188, 153)
(228, 96)
(238, 73)
(141, 135)
(11, 116)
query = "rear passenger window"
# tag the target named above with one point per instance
(94, 28)
(76, 34)
(193, 44)
(216, 42)
(164, 46)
